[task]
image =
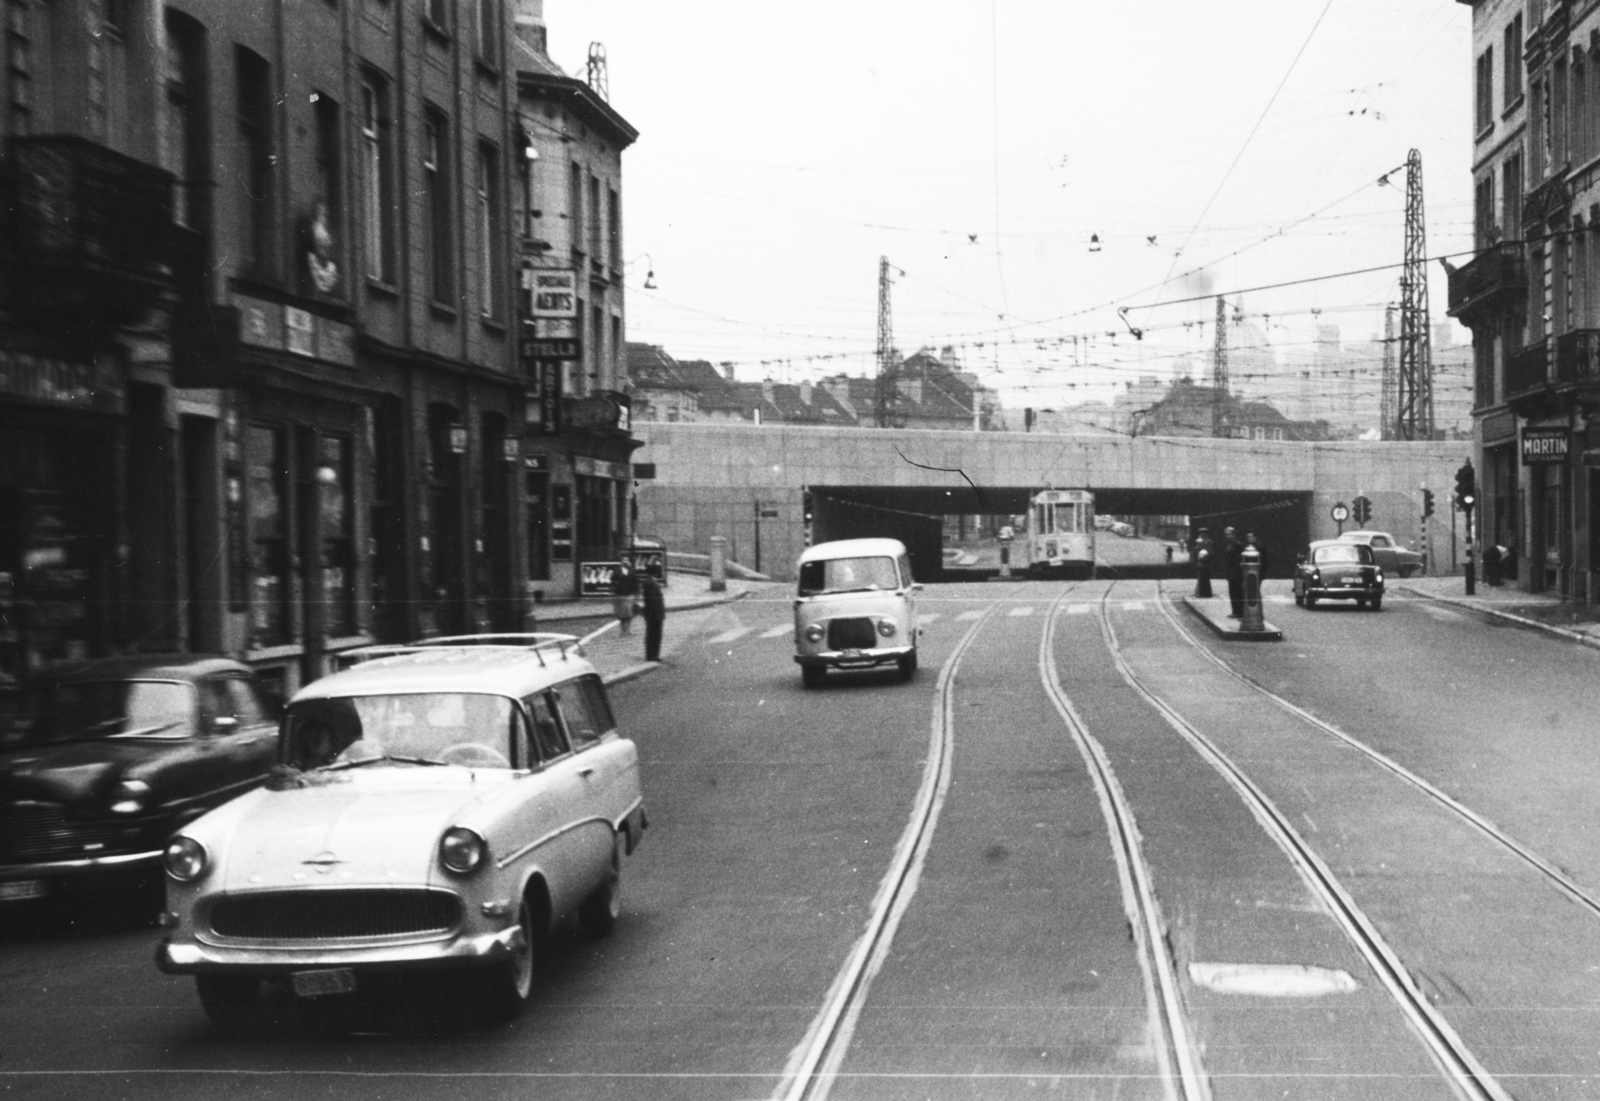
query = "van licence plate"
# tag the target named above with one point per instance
(317, 984)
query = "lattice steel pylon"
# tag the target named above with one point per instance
(886, 364)
(1389, 392)
(1219, 371)
(1414, 408)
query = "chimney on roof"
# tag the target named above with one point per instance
(805, 391)
(528, 21)
(766, 391)
(947, 356)
(727, 370)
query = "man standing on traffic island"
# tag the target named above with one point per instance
(1233, 551)
(655, 612)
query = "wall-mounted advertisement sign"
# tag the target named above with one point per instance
(1545, 445)
(555, 292)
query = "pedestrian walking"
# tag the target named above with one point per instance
(1201, 553)
(624, 588)
(1232, 550)
(655, 613)
(1493, 557)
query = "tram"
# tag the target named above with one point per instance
(1061, 533)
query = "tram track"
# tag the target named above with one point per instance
(1177, 1055)
(1553, 874)
(1456, 1062)
(814, 1064)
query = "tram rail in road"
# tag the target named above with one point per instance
(1466, 1075)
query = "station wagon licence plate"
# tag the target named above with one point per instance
(317, 984)
(19, 889)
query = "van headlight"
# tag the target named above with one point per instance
(462, 850)
(815, 633)
(186, 859)
(886, 628)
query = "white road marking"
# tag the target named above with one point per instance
(774, 632)
(923, 620)
(1079, 609)
(1272, 980)
(969, 616)
(1133, 605)
(730, 635)
(1026, 609)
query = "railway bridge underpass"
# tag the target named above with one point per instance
(753, 485)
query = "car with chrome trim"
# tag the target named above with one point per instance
(1335, 569)
(855, 607)
(1387, 551)
(101, 760)
(436, 806)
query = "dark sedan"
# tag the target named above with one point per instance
(1333, 569)
(104, 761)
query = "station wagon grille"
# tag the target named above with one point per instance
(335, 914)
(851, 634)
(45, 832)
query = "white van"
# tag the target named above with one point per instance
(855, 608)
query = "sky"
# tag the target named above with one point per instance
(981, 146)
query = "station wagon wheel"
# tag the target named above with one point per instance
(510, 983)
(813, 675)
(227, 998)
(601, 910)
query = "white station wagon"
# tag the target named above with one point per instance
(855, 608)
(437, 805)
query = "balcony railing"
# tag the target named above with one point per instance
(1578, 356)
(91, 231)
(1496, 271)
(1528, 369)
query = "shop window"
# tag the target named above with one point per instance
(536, 506)
(561, 523)
(335, 536)
(267, 497)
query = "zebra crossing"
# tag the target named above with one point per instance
(724, 633)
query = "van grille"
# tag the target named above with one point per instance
(851, 634)
(335, 914)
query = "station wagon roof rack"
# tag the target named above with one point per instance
(532, 642)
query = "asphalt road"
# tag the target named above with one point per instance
(914, 890)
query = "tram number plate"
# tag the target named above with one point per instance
(317, 984)
(19, 889)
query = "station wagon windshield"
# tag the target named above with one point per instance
(848, 575)
(427, 727)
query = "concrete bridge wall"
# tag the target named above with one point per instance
(714, 479)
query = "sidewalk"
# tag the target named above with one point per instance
(1578, 622)
(618, 657)
(1214, 611)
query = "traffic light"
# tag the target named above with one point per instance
(808, 509)
(1427, 503)
(1361, 509)
(1466, 488)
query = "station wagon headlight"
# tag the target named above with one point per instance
(185, 859)
(814, 633)
(885, 628)
(129, 797)
(462, 850)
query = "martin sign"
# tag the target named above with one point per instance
(1544, 445)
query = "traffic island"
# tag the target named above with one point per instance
(1214, 611)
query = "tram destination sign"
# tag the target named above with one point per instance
(1545, 445)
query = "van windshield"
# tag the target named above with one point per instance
(848, 575)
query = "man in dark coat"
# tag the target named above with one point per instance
(1232, 550)
(655, 613)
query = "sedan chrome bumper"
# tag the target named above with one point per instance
(193, 957)
(81, 865)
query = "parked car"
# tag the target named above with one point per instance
(855, 608)
(1123, 529)
(1389, 553)
(107, 758)
(441, 805)
(1336, 569)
